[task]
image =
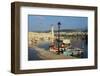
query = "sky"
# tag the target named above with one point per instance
(44, 23)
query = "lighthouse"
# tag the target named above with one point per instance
(52, 33)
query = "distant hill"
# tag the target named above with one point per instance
(65, 30)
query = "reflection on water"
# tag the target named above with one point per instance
(32, 54)
(81, 44)
(44, 45)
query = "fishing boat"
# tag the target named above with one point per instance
(59, 46)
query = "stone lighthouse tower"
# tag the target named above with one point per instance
(52, 33)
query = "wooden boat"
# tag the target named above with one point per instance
(65, 49)
(45, 55)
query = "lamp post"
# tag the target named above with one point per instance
(59, 37)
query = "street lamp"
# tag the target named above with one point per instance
(59, 37)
